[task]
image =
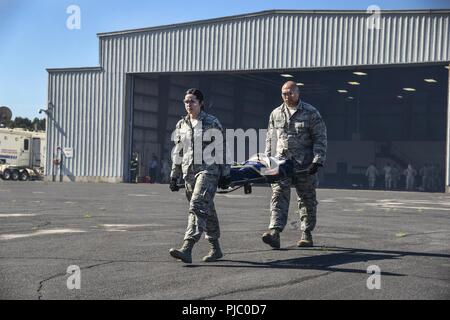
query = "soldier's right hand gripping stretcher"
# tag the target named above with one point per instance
(259, 168)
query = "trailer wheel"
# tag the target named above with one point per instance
(15, 175)
(24, 176)
(247, 188)
(7, 174)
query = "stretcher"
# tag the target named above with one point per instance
(260, 169)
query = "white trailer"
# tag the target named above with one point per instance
(22, 154)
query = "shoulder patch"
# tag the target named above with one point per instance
(213, 120)
(277, 110)
(179, 123)
(310, 108)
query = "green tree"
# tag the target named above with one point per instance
(26, 124)
(38, 124)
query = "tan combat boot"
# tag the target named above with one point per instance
(214, 253)
(306, 240)
(272, 238)
(184, 253)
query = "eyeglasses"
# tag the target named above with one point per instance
(290, 93)
(190, 101)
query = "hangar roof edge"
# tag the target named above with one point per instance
(76, 69)
(268, 13)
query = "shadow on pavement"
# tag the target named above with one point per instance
(324, 262)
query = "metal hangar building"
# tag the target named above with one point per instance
(381, 84)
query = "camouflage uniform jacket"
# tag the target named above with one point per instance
(187, 140)
(301, 136)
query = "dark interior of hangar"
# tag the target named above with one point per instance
(393, 115)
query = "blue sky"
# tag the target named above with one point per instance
(34, 36)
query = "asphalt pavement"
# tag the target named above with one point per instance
(116, 237)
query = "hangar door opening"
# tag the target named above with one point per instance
(394, 115)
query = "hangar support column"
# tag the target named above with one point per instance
(128, 127)
(447, 160)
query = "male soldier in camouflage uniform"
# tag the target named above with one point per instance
(201, 175)
(300, 134)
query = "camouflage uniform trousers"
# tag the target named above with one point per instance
(200, 192)
(305, 186)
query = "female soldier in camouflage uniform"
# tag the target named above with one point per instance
(201, 175)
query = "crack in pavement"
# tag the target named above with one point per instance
(79, 259)
(430, 278)
(274, 286)
(41, 283)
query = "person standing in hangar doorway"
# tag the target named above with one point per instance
(410, 174)
(298, 132)
(387, 176)
(153, 169)
(371, 174)
(134, 168)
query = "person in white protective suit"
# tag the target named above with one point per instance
(371, 174)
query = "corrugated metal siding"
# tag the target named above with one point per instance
(282, 41)
(86, 117)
